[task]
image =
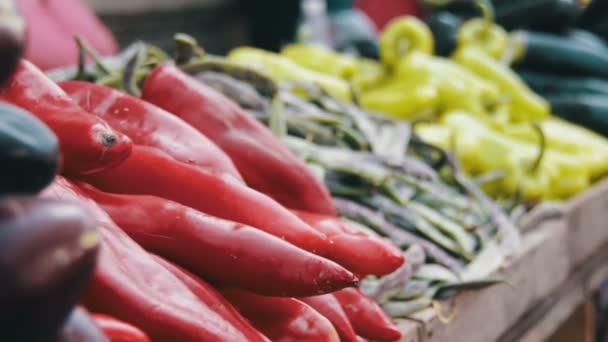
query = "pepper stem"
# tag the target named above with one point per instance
(86, 49)
(541, 147)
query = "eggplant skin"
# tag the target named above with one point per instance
(12, 39)
(80, 327)
(29, 152)
(48, 251)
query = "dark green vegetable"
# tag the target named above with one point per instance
(550, 52)
(588, 110)
(594, 17)
(12, 39)
(81, 328)
(48, 250)
(586, 38)
(444, 26)
(29, 152)
(542, 15)
(548, 83)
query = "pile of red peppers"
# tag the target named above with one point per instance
(210, 229)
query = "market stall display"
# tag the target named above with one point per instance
(300, 195)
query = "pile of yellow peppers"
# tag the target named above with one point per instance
(471, 103)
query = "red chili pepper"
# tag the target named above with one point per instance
(88, 144)
(265, 163)
(221, 251)
(359, 252)
(151, 126)
(366, 316)
(213, 299)
(283, 319)
(119, 331)
(151, 172)
(328, 306)
(130, 285)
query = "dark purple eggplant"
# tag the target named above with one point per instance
(29, 152)
(12, 38)
(48, 250)
(80, 327)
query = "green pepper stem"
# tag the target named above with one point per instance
(541, 147)
(86, 49)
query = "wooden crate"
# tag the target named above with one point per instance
(559, 265)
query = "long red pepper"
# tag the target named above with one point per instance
(366, 316)
(119, 331)
(283, 319)
(221, 251)
(130, 285)
(213, 299)
(88, 144)
(149, 125)
(328, 306)
(151, 172)
(359, 252)
(266, 164)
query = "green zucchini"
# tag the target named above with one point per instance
(594, 15)
(444, 26)
(29, 152)
(550, 52)
(546, 83)
(587, 39)
(543, 15)
(588, 110)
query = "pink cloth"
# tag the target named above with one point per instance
(51, 26)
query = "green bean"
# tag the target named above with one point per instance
(457, 232)
(407, 308)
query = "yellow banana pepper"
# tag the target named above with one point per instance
(402, 100)
(369, 74)
(403, 35)
(525, 105)
(482, 149)
(458, 87)
(283, 69)
(486, 35)
(321, 59)
(574, 142)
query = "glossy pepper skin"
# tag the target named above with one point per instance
(130, 285)
(150, 172)
(524, 104)
(403, 35)
(149, 125)
(265, 163)
(492, 38)
(225, 252)
(360, 253)
(210, 296)
(87, 143)
(283, 319)
(282, 68)
(458, 87)
(367, 316)
(321, 59)
(328, 306)
(119, 331)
